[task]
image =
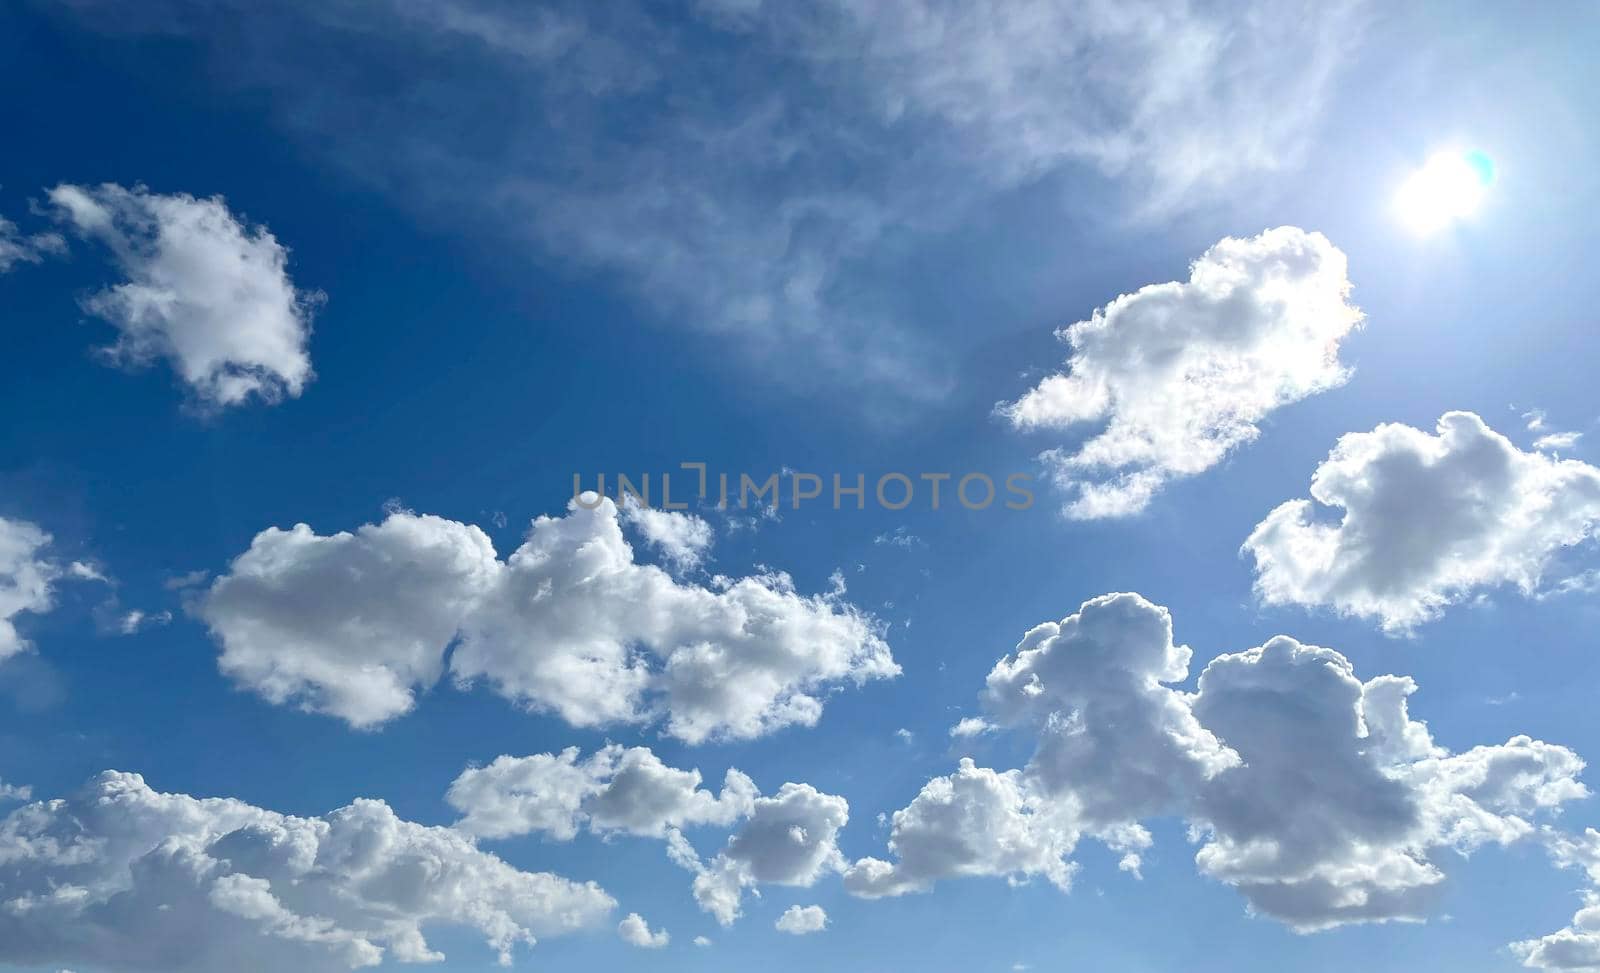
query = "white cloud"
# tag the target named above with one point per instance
(121, 877)
(1110, 733)
(682, 539)
(974, 822)
(1313, 793)
(18, 247)
(207, 294)
(1557, 440)
(802, 920)
(616, 789)
(353, 624)
(26, 578)
(350, 624)
(1577, 947)
(636, 932)
(971, 726)
(1182, 373)
(1426, 521)
(15, 792)
(790, 838)
(702, 941)
(1019, 89)
(134, 621)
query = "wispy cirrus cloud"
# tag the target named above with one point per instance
(748, 169)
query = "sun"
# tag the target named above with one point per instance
(1446, 190)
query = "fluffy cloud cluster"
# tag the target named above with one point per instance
(1313, 793)
(1183, 372)
(615, 789)
(973, 822)
(25, 579)
(205, 293)
(1426, 520)
(121, 877)
(788, 838)
(354, 624)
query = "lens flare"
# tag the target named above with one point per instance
(1448, 188)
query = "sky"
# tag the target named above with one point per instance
(1268, 324)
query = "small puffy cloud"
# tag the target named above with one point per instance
(802, 920)
(1426, 521)
(616, 789)
(353, 625)
(1313, 793)
(790, 838)
(702, 941)
(681, 538)
(26, 579)
(17, 247)
(121, 877)
(1182, 373)
(636, 932)
(971, 726)
(204, 292)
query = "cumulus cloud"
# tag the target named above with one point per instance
(971, 726)
(1316, 795)
(973, 822)
(802, 920)
(681, 538)
(121, 877)
(616, 789)
(15, 792)
(636, 932)
(1425, 521)
(353, 625)
(816, 103)
(1577, 947)
(204, 292)
(1184, 372)
(26, 577)
(17, 247)
(790, 838)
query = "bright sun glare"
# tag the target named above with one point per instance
(1446, 190)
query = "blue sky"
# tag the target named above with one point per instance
(528, 243)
